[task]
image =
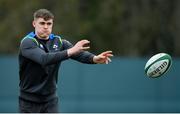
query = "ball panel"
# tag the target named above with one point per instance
(158, 68)
(169, 66)
(154, 59)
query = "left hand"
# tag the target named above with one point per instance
(103, 58)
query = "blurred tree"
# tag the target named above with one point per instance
(127, 27)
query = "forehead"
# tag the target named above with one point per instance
(42, 20)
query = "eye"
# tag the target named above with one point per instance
(42, 23)
(49, 23)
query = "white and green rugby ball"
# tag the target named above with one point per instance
(158, 64)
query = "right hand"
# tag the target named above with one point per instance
(78, 47)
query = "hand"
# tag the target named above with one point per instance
(78, 47)
(103, 58)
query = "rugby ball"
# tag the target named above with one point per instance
(157, 65)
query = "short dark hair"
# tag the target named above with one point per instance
(43, 13)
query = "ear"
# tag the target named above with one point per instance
(33, 23)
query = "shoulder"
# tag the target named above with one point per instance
(58, 37)
(29, 38)
(28, 42)
(65, 43)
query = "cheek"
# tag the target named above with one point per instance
(50, 29)
(38, 28)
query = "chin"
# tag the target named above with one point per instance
(45, 36)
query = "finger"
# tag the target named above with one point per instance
(106, 61)
(107, 52)
(85, 41)
(109, 59)
(102, 57)
(85, 48)
(86, 45)
(109, 55)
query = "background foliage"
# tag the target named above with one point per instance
(127, 27)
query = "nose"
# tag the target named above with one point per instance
(45, 26)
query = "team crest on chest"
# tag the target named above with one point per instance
(55, 46)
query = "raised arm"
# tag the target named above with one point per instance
(78, 52)
(30, 50)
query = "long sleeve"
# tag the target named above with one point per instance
(31, 50)
(84, 57)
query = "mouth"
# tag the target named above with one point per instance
(45, 34)
(45, 31)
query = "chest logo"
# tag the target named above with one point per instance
(55, 47)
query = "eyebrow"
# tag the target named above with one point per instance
(49, 23)
(45, 23)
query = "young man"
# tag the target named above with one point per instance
(40, 56)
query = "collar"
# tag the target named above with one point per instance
(32, 34)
